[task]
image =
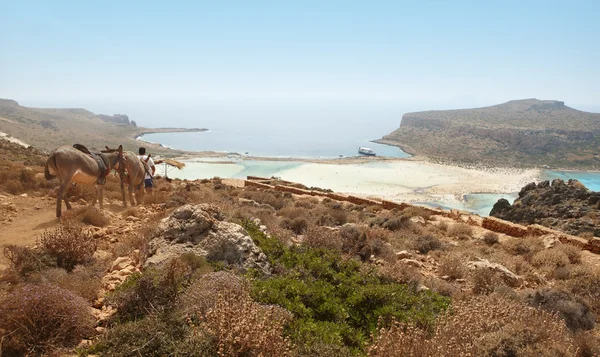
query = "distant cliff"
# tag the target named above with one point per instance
(526, 132)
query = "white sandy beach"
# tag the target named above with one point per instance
(401, 180)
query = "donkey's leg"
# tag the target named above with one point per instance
(123, 193)
(62, 191)
(66, 199)
(131, 198)
(100, 193)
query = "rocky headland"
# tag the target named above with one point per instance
(566, 206)
(519, 133)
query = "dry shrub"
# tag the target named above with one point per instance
(297, 225)
(274, 200)
(561, 273)
(574, 311)
(397, 223)
(401, 273)
(323, 237)
(414, 211)
(306, 202)
(443, 226)
(132, 212)
(37, 318)
(377, 233)
(202, 295)
(485, 281)
(550, 259)
(293, 212)
(571, 251)
(82, 281)
(444, 288)
(94, 217)
(523, 246)
(69, 244)
(452, 267)
(245, 328)
(588, 344)
(491, 238)
(460, 230)
(585, 283)
(426, 243)
(24, 261)
(480, 326)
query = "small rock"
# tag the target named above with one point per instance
(461, 280)
(403, 254)
(417, 219)
(121, 263)
(100, 329)
(114, 240)
(445, 277)
(422, 288)
(24, 195)
(132, 219)
(412, 262)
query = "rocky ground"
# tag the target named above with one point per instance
(566, 206)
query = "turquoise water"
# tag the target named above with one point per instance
(591, 180)
(301, 145)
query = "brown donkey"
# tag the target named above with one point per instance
(70, 164)
(132, 171)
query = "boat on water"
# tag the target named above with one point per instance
(366, 151)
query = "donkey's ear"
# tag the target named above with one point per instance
(120, 149)
(107, 148)
(148, 158)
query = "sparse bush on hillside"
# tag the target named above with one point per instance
(69, 244)
(460, 230)
(242, 327)
(549, 259)
(24, 260)
(571, 251)
(453, 267)
(523, 246)
(82, 281)
(324, 238)
(397, 223)
(155, 336)
(274, 200)
(153, 292)
(414, 211)
(576, 313)
(585, 283)
(202, 295)
(94, 217)
(491, 238)
(426, 243)
(34, 319)
(480, 326)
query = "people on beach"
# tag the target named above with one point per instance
(148, 184)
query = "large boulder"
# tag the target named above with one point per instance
(508, 276)
(199, 229)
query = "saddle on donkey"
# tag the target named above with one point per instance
(102, 161)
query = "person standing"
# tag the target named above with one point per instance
(148, 184)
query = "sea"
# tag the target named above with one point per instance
(318, 145)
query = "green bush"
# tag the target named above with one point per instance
(335, 302)
(154, 336)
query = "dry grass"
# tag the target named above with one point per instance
(453, 267)
(491, 238)
(414, 211)
(245, 328)
(323, 237)
(550, 259)
(481, 326)
(460, 230)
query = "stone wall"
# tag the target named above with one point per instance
(505, 227)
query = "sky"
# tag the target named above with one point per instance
(118, 55)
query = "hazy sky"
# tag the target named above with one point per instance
(454, 52)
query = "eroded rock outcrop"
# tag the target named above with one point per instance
(200, 229)
(566, 206)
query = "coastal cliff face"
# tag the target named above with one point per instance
(519, 133)
(569, 207)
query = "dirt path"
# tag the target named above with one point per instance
(32, 216)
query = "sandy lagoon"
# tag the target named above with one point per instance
(399, 180)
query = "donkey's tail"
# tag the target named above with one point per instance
(51, 161)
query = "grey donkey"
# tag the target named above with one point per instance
(72, 165)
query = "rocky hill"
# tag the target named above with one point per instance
(569, 207)
(528, 132)
(48, 128)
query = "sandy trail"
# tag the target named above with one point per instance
(33, 216)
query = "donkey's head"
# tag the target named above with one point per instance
(115, 156)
